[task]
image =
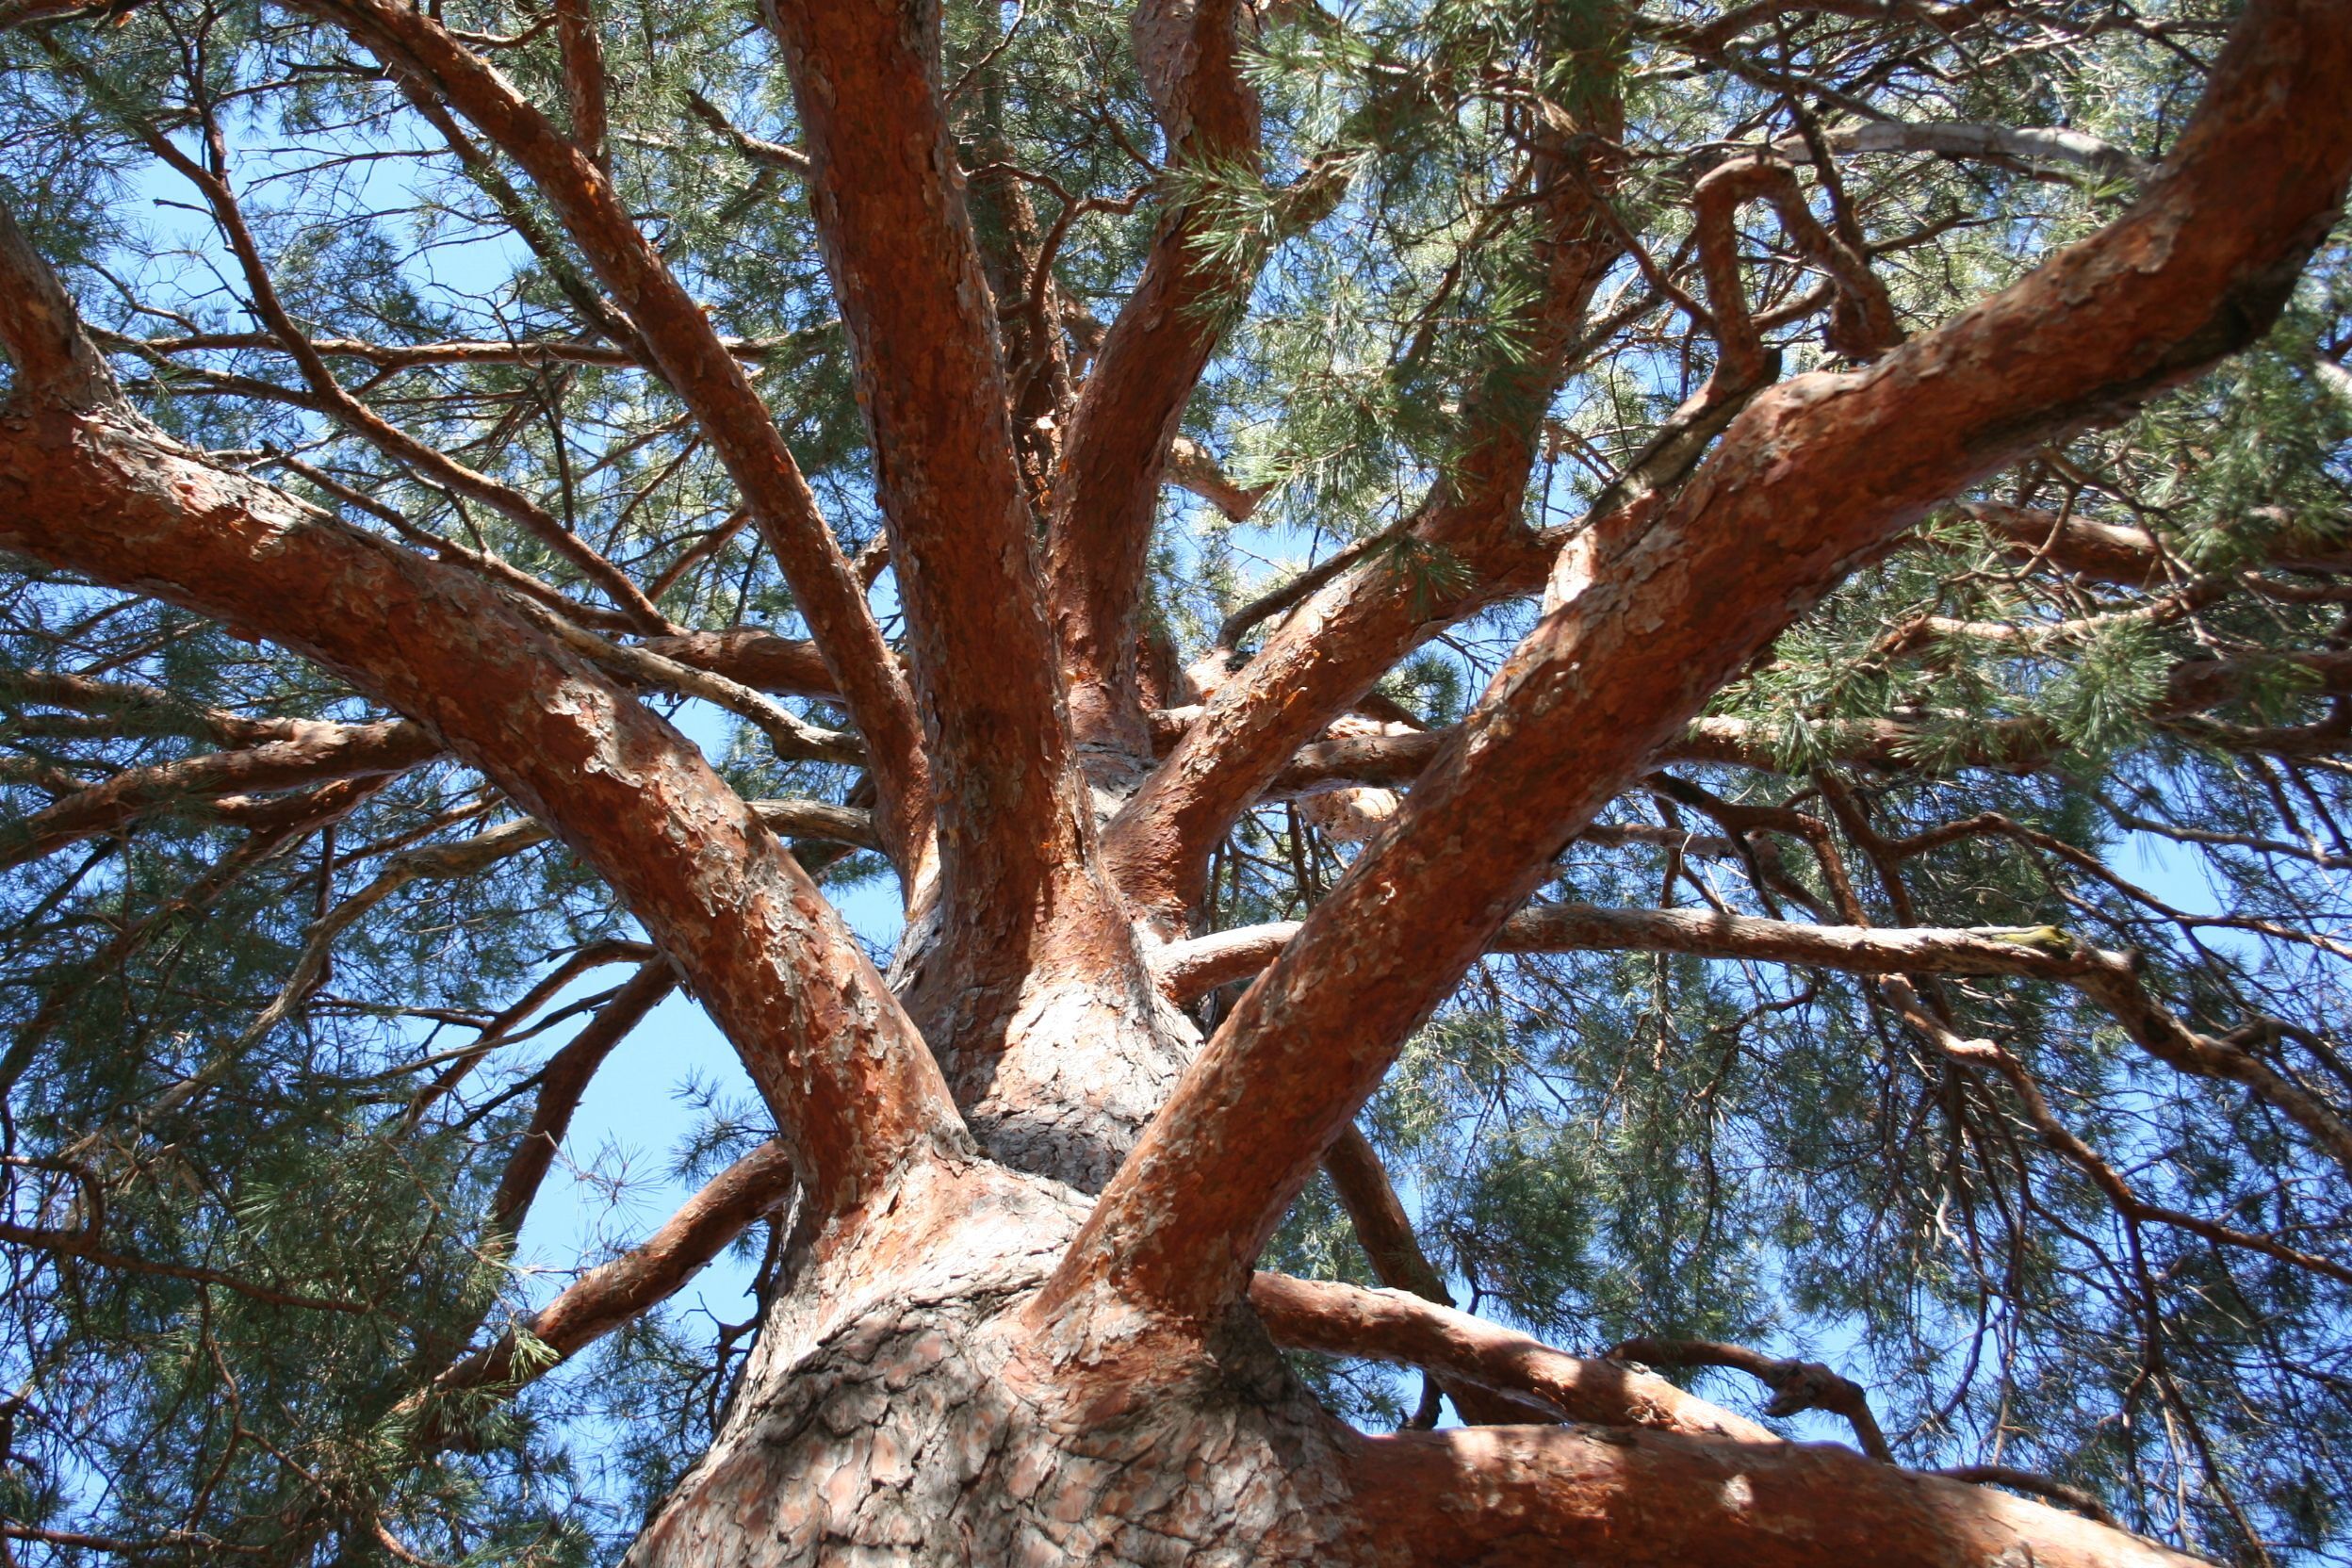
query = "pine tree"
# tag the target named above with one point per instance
(1630, 719)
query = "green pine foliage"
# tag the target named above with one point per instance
(1595, 1146)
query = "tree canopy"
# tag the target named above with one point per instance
(1870, 477)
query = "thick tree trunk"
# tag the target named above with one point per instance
(902, 1406)
(968, 1358)
(917, 1395)
(895, 1411)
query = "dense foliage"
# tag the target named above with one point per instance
(266, 1055)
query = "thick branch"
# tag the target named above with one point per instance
(403, 356)
(1380, 1220)
(1546, 1496)
(55, 365)
(1816, 475)
(759, 660)
(583, 76)
(1962, 138)
(1189, 970)
(2111, 553)
(1194, 468)
(789, 736)
(1106, 494)
(1796, 1385)
(845, 1073)
(906, 270)
(641, 1277)
(1864, 323)
(143, 710)
(1393, 760)
(1389, 1325)
(1385, 1232)
(1349, 633)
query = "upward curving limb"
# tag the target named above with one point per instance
(1013, 823)
(1815, 475)
(840, 1065)
(56, 362)
(101, 493)
(639, 1278)
(563, 1080)
(1106, 493)
(689, 352)
(1325, 658)
(1348, 634)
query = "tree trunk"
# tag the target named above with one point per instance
(1017, 1318)
(896, 1410)
(902, 1405)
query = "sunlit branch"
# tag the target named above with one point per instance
(1569, 1494)
(315, 752)
(1800, 487)
(1107, 491)
(688, 351)
(614, 1293)
(781, 976)
(561, 1083)
(1389, 1325)
(1796, 1385)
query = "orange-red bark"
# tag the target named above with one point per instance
(1108, 490)
(1012, 820)
(848, 1078)
(690, 354)
(1814, 476)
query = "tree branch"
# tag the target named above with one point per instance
(775, 154)
(1389, 1325)
(313, 753)
(638, 1279)
(759, 660)
(1189, 970)
(1194, 468)
(689, 352)
(1328, 655)
(584, 78)
(1816, 474)
(842, 1068)
(2128, 557)
(1397, 1262)
(1106, 494)
(1521, 1495)
(213, 183)
(55, 365)
(1011, 814)
(1796, 1385)
(1962, 138)
(562, 1081)
(406, 356)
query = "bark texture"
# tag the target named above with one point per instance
(1018, 1317)
(1813, 477)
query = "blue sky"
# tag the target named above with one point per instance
(613, 1182)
